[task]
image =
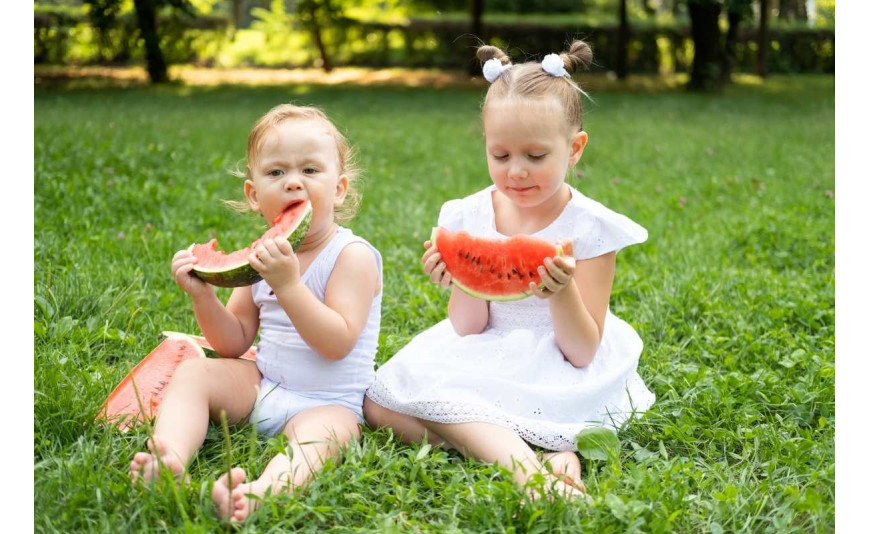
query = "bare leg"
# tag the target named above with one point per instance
(409, 429)
(315, 435)
(199, 389)
(496, 444)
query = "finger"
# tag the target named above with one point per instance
(431, 263)
(271, 246)
(445, 281)
(555, 272)
(548, 281)
(255, 262)
(538, 292)
(428, 254)
(284, 246)
(437, 273)
(427, 244)
(566, 263)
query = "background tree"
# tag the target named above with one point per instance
(738, 11)
(707, 63)
(622, 40)
(146, 20)
(103, 14)
(763, 38)
(315, 16)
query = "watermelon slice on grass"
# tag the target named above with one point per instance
(233, 270)
(495, 269)
(139, 394)
(124, 407)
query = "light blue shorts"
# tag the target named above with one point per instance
(276, 405)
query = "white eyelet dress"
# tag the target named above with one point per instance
(295, 377)
(513, 373)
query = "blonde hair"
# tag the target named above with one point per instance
(529, 80)
(346, 154)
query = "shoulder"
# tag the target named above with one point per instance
(360, 262)
(356, 251)
(600, 229)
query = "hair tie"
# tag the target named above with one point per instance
(493, 68)
(554, 66)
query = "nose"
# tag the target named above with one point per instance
(517, 171)
(292, 182)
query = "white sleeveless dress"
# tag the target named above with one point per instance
(295, 377)
(513, 373)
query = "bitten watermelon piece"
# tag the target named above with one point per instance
(495, 269)
(151, 376)
(233, 270)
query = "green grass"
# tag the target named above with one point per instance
(733, 295)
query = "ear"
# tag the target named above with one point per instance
(341, 189)
(251, 195)
(578, 143)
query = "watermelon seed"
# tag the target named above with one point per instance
(499, 276)
(531, 274)
(492, 268)
(509, 276)
(466, 255)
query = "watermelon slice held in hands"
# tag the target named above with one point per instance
(149, 378)
(233, 270)
(495, 269)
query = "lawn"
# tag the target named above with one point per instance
(733, 295)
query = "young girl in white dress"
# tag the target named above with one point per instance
(317, 309)
(495, 377)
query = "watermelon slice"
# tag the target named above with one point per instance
(495, 269)
(203, 342)
(233, 270)
(151, 376)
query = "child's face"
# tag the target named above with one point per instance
(298, 160)
(529, 150)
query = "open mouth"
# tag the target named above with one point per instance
(293, 204)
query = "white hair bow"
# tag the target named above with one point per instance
(553, 65)
(492, 69)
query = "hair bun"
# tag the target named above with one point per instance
(577, 58)
(487, 52)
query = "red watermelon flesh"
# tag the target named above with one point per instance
(495, 269)
(151, 376)
(233, 270)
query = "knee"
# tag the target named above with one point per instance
(191, 371)
(375, 415)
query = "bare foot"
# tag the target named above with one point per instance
(230, 495)
(148, 464)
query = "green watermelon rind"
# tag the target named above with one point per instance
(243, 274)
(486, 296)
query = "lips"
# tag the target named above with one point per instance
(293, 204)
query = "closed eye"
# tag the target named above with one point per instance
(500, 157)
(537, 157)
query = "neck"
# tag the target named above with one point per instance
(315, 240)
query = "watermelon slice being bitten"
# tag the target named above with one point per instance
(495, 269)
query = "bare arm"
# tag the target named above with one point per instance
(332, 328)
(230, 329)
(578, 296)
(467, 314)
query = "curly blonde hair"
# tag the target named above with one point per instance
(346, 154)
(529, 80)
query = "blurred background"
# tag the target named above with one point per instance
(703, 42)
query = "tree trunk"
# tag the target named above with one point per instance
(622, 42)
(730, 55)
(474, 67)
(318, 40)
(146, 17)
(763, 39)
(706, 65)
(237, 17)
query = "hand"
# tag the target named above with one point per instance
(434, 267)
(181, 267)
(556, 274)
(276, 262)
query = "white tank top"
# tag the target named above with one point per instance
(285, 358)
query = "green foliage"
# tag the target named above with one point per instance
(733, 296)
